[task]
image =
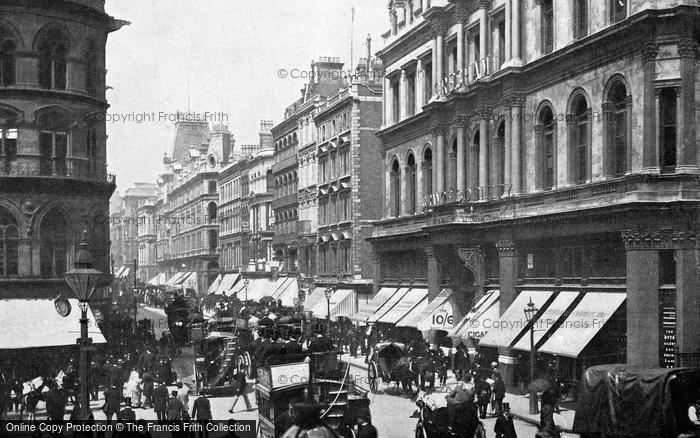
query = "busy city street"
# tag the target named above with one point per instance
(350, 218)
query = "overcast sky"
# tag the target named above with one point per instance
(231, 52)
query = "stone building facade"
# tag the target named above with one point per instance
(54, 184)
(540, 146)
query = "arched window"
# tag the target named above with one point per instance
(53, 53)
(395, 188)
(545, 133)
(617, 117)
(411, 181)
(7, 59)
(427, 168)
(668, 124)
(211, 210)
(54, 128)
(9, 244)
(91, 70)
(579, 140)
(8, 141)
(53, 232)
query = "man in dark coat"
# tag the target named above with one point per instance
(504, 427)
(175, 408)
(160, 401)
(126, 415)
(483, 397)
(499, 393)
(201, 412)
(95, 371)
(241, 390)
(56, 400)
(284, 421)
(113, 398)
(146, 361)
(292, 347)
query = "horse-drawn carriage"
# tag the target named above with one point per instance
(307, 378)
(390, 362)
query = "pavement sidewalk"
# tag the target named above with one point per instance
(519, 404)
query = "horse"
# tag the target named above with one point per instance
(31, 396)
(404, 373)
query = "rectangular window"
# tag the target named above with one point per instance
(501, 43)
(8, 147)
(620, 138)
(667, 142)
(428, 86)
(60, 151)
(548, 159)
(547, 26)
(211, 187)
(618, 10)
(46, 153)
(582, 152)
(580, 18)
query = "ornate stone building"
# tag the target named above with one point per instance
(54, 184)
(548, 150)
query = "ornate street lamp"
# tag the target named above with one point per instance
(83, 280)
(245, 286)
(329, 292)
(530, 312)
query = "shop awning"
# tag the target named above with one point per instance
(124, 273)
(436, 315)
(182, 278)
(257, 288)
(367, 309)
(579, 328)
(119, 271)
(482, 304)
(174, 278)
(317, 296)
(482, 320)
(289, 294)
(35, 323)
(214, 284)
(506, 329)
(414, 298)
(226, 283)
(390, 303)
(342, 303)
(549, 318)
(158, 280)
(191, 281)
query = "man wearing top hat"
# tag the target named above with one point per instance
(504, 427)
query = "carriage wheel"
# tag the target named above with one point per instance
(420, 431)
(373, 377)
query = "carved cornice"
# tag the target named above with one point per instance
(484, 112)
(375, 256)
(438, 128)
(649, 51)
(473, 258)
(658, 239)
(460, 121)
(438, 26)
(431, 252)
(484, 4)
(506, 248)
(687, 48)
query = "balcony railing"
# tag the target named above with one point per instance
(474, 71)
(469, 195)
(58, 169)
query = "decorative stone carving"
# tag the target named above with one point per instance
(474, 260)
(687, 48)
(658, 239)
(374, 256)
(484, 4)
(431, 252)
(438, 129)
(506, 248)
(484, 112)
(460, 121)
(649, 51)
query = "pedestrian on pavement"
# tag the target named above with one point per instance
(160, 401)
(504, 427)
(56, 400)
(547, 410)
(126, 415)
(133, 391)
(499, 393)
(183, 392)
(483, 397)
(286, 420)
(113, 398)
(241, 390)
(201, 412)
(147, 383)
(175, 408)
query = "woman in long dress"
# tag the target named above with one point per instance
(133, 390)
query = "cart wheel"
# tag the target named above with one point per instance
(420, 431)
(373, 377)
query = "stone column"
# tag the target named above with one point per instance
(403, 96)
(440, 54)
(473, 166)
(439, 133)
(385, 91)
(509, 18)
(643, 328)
(650, 152)
(433, 65)
(508, 278)
(507, 147)
(377, 271)
(484, 115)
(539, 146)
(420, 84)
(405, 193)
(515, 34)
(484, 6)
(608, 140)
(462, 18)
(516, 135)
(433, 273)
(461, 156)
(687, 296)
(687, 151)
(387, 190)
(389, 103)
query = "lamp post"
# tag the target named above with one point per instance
(329, 292)
(83, 279)
(530, 312)
(245, 286)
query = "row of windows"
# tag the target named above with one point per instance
(286, 184)
(234, 189)
(287, 141)
(333, 127)
(286, 221)
(53, 61)
(194, 191)
(335, 258)
(334, 165)
(617, 147)
(193, 242)
(334, 210)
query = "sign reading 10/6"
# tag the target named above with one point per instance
(442, 319)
